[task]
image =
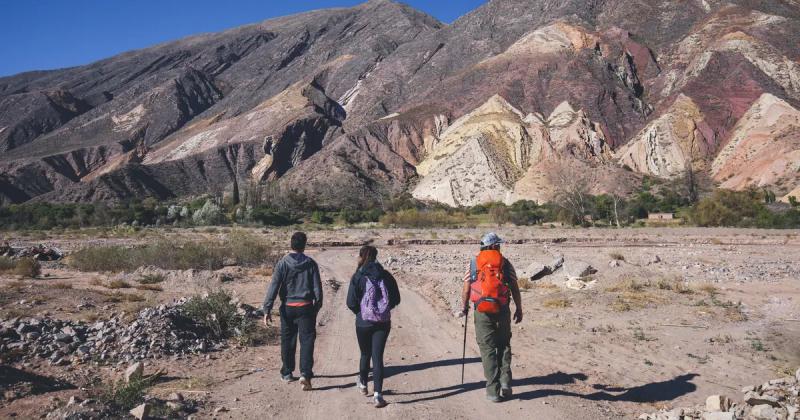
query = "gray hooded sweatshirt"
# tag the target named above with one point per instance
(295, 279)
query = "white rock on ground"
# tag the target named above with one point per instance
(134, 372)
(763, 411)
(578, 269)
(717, 403)
(141, 412)
(534, 271)
(718, 415)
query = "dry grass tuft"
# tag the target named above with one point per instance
(557, 303)
(117, 297)
(617, 256)
(61, 285)
(17, 285)
(152, 279)
(23, 267)
(545, 286)
(524, 283)
(674, 284)
(708, 289)
(118, 284)
(632, 293)
(150, 287)
(629, 284)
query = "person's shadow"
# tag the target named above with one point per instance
(11, 377)
(648, 393)
(558, 378)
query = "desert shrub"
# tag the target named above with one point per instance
(151, 279)
(149, 287)
(676, 285)
(117, 297)
(125, 395)
(524, 283)
(244, 248)
(271, 217)
(617, 256)
(28, 267)
(61, 286)
(209, 214)
(7, 264)
(118, 284)
(320, 217)
(217, 312)
(419, 219)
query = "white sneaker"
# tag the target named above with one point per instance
(379, 401)
(362, 387)
(305, 383)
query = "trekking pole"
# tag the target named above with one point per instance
(464, 349)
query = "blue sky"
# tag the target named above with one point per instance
(48, 34)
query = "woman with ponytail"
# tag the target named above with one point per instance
(372, 294)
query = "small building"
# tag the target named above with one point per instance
(661, 216)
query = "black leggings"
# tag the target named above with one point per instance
(372, 342)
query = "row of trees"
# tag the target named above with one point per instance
(573, 205)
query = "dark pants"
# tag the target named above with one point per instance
(493, 332)
(372, 342)
(294, 320)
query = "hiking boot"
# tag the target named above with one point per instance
(305, 383)
(506, 392)
(362, 387)
(288, 378)
(494, 398)
(379, 401)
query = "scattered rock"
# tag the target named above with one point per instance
(614, 263)
(557, 263)
(134, 372)
(717, 403)
(73, 400)
(536, 271)
(141, 412)
(175, 405)
(578, 270)
(775, 399)
(763, 411)
(717, 415)
(753, 398)
(655, 260)
(222, 409)
(155, 332)
(175, 396)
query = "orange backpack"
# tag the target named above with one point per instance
(489, 291)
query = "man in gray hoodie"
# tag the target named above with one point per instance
(296, 280)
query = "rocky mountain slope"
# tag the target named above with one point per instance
(349, 105)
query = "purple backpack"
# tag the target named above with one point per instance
(375, 303)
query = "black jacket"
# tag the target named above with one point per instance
(295, 279)
(358, 284)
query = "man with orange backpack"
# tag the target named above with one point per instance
(489, 284)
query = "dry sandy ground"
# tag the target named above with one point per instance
(629, 344)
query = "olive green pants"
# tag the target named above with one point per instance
(493, 332)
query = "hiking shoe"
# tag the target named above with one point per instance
(288, 378)
(362, 387)
(506, 393)
(494, 398)
(305, 383)
(379, 401)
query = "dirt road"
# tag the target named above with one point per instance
(423, 369)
